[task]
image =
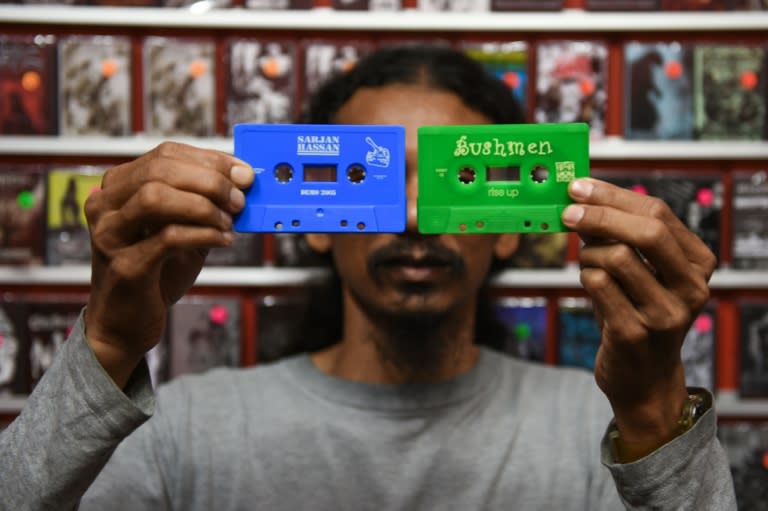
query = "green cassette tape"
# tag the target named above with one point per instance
(498, 178)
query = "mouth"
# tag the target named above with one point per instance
(414, 269)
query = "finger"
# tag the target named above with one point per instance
(597, 192)
(651, 236)
(157, 204)
(136, 261)
(619, 320)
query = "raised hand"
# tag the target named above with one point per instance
(151, 226)
(647, 275)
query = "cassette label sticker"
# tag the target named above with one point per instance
(323, 178)
(498, 178)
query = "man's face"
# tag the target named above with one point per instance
(410, 272)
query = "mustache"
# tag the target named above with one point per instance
(418, 252)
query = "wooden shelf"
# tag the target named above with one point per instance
(322, 19)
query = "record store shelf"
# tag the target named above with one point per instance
(323, 19)
(258, 276)
(611, 148)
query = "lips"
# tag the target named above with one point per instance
(416, 269)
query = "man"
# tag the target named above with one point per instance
(404, 410)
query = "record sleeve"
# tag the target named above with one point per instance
(749, 229)
(179, 87)
(261, 84)
(279, 4)
(698, 351)
(14, 349)
(95, 85)
(324, 59)
(246, 250)
(658, 91)
(571, 83)
(525, 319)
(278, 321)
(729, 92)
(746, 445)
(695, 198)
(507, 61)
(292, 250)
(368, 5)
(697, 5)
(537, 251)
(753, 333)
(67, 236)
(622, 5)
(579, 335)
(526, 5)
(22, 214)
(454, 5)
(204, 332)
(28, 85)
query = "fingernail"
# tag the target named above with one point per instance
(241, 175)
(229, 237)
(581, 189)
(237, 198)
(226, 219)
(573, 214)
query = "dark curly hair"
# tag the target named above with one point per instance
(438, 67)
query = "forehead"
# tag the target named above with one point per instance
(407, 105)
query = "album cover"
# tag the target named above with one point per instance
(507, 61)
(658, 91)
(22, 210)
(749, 228)
(579, 335)
(729, 92)
(14, 349)
(368, 5)
(41, 323)
(179, 87)
(185, 3)
(454, 5)
(622, 5)
(753, 333)
(750, 5)
(324, 59)
(246, 250)
(279, 4)
(122, 3)
(538, 251)
(203, 332)
(95, 85)
(696, 198)
(697, 5)
(698, 350)
(526, 5)
(292, 250)
(28, 85)
(67, 237)
(571, 83)
(746, 445)
(278, 320)
(261, 82)
(525, 319)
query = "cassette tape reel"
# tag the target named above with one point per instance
(498, 178)
(323, 178)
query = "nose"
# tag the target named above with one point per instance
(411, 193)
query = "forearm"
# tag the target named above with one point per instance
(68, 429)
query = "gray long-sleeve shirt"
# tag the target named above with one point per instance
(506, 435)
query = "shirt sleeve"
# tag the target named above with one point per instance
(69, 428)
(690, 472)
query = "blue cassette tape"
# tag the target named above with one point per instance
(323, 178)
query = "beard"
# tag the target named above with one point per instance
(416, 344)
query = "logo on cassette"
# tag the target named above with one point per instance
(498, 178)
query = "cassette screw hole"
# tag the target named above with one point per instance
(544, 226)
(279, 226)
(462, 227)
(360, 226)
(343, 223)
(480, 224)
(295, 223)
(467, 175)
(527, 223)
(539, 174)
(283, 172)
(356, 173)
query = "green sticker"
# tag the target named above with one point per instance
(25, 199)
(523, 331)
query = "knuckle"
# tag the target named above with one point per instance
(656, 207)
(655, 233)
(672, 319)
(168, 149)
(619, 256)
(123, 268)
(150, 194)
(595, 279)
